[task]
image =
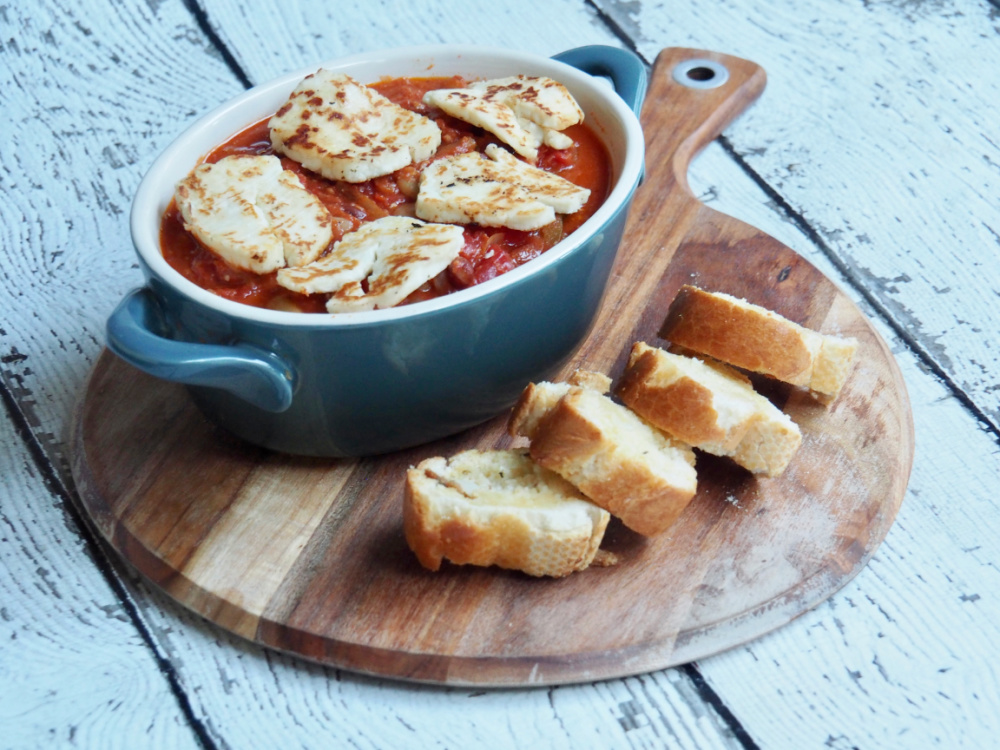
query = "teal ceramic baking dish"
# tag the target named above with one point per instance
(372, 382)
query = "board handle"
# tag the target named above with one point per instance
(693, 96)
(135, 333)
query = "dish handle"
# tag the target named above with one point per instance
(625, 69)
(257, 376)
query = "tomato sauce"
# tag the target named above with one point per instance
(488, 251)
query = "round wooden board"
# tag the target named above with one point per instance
(307, 555)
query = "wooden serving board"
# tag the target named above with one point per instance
(308, 555)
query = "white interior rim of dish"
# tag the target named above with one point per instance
(217, 126)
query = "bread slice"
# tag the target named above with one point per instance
(499, 508)
(623, 464)
(754, 338)
(709, 405)
(538, 399)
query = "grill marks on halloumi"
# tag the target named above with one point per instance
(253, 213)
(344, 130)
(259, 217)
(522, 111)
(495, 190)
(395, 254)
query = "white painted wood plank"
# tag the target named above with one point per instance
(271, 40)
(879, 127)
(252, 698)
(81, 109)
(91, 94)
(905, 656)
(73, 669)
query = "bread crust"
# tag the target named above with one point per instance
(709, 405)
(682, 407)
(537, 399)
(751, 337)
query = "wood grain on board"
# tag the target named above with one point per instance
(308, 555)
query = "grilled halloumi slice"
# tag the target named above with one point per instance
(496, 190)
(521, 111)
(253, 213)
(347, 131)
(395, 254)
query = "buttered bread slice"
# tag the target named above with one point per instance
(710, 406)
(622, 463)
(347, 131)
(499, 508)
(754, 338)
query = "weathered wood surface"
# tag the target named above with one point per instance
(308, 556)
(873, 151)
(75, 670)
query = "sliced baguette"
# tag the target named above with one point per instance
(623, 464)
(499, 508)
(754, 338)
(709, 405)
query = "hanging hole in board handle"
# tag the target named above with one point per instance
(701, 74)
